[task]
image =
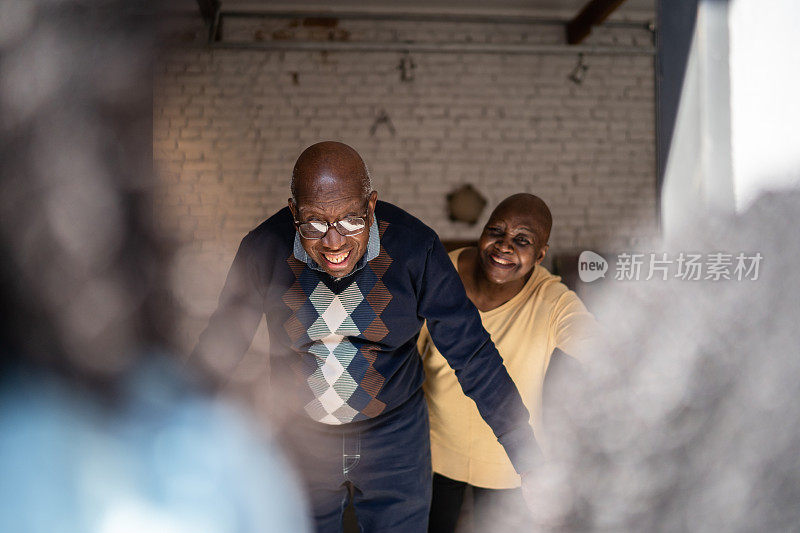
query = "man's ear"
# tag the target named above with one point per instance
(373, 199)
(293, 209)
(542, 253)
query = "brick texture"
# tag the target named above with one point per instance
(229, 125)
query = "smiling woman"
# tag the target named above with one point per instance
(512, 243)
(528, 313)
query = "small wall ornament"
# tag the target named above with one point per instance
(465, 204)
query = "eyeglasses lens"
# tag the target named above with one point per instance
(350, 226)
(346, 227)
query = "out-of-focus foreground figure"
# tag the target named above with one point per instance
(100, 429)
(690, 423)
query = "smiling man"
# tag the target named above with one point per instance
(529, 313)
(345, 283)
(330, 183)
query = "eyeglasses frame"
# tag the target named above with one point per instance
(330, 225)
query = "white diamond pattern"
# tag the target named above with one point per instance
(331, 370)
(331, 383)
(334, 315)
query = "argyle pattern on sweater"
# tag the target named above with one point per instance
(338, 328)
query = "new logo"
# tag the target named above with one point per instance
(591, 266)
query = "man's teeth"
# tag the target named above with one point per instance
(336, 258)
(501, 260)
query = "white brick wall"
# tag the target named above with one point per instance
(229, 125)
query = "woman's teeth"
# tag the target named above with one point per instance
(336, 258)
(501, 260)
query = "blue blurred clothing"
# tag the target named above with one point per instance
(163, 458)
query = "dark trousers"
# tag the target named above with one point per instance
(387, 461)
(493, 509)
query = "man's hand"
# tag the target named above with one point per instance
(547, 496)
(529, 492)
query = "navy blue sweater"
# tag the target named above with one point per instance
(349, 344)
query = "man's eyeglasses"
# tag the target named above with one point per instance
(347, 227)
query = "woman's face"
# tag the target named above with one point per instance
(509, 247)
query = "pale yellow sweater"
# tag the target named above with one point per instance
(544, 315)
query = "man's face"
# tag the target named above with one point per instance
(509, 246)
(330, 201)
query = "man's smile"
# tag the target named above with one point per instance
(338, 258)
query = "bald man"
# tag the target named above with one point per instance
(345, 283)
(529, 313)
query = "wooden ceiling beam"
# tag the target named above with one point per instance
(208, 10)
(592, 14)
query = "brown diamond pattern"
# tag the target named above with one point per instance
(296, 265)
(379, 297)
(376, 331)
(295, 297)
(294, 328)
(372, 382)
(381, 263)
(373, 408)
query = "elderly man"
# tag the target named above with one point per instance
(345, 283)
(529, 313)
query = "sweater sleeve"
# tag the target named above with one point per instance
(456, 330)
(233, 324)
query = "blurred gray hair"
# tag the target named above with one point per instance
(84, 272)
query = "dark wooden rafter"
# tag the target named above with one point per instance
(592, 14)
(209, 10)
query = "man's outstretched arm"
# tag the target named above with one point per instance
(456, 329)
(233, 324)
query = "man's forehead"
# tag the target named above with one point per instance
(327, 181)
(317, 202)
